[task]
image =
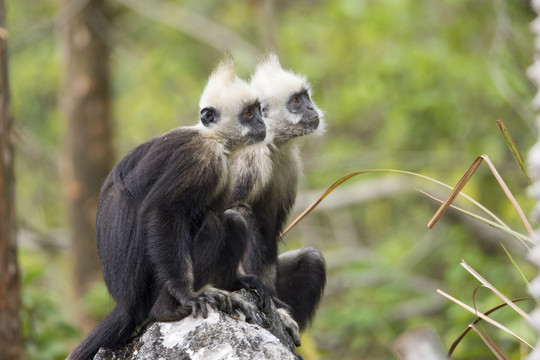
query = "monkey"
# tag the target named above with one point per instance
(265, 176)
(165, 231)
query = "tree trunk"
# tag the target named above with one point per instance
(11, 339)
(534, 169)
(265, 13)
(88, 152)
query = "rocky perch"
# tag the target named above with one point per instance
(220, 336)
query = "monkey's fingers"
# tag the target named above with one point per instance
(199, 306)
(251, 282)
(225, 303)
(290, 325)
(245, 307)
(220, 299)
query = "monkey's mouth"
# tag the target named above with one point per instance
(312, 123)
(258, 136)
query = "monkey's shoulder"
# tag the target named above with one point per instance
(191, 148)
(184, 163)
(180, 161)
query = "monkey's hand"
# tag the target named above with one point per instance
(252, 282)
(198, 302)
(228, 302)
(290, 325)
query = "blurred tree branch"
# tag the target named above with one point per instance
(11, 337)
(88, 151)
(198, 27)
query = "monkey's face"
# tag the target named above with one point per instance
(230, 109)
(251, 120)
(238, 126)
(300, 104)
(288, 110)
(292, 115)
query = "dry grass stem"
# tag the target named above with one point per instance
(489, 343)
(454, 193)
(495, 291)
(500, 225)
(477, 320)
(484, 317)
(463, 181)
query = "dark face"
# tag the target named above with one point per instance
(251, 117)
(301, 104)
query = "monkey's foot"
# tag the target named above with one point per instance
(252, 282)
(290, 325)
(246, 307)
(199, 304)
(229, 302)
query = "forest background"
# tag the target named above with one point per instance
(404, 84)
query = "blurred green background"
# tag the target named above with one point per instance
(404, 84)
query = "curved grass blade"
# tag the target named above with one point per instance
(353, 174)
(490, 344)
(484, 317)
(460, 337)
(523, 278)
(493, 289)
(510, 196)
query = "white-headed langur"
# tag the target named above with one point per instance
(265, 177)
(165, 228)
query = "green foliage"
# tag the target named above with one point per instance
(405, 84)
(97, 301)
(46, 330)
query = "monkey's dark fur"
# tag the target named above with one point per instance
(266, 177)
(163, 229)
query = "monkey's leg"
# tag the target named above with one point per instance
(167, 308)
(168, 246)
(301, 280)
(220, 245)
(218, 248)
(252, 265)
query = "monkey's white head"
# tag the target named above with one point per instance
(288, 110)
(230, 108)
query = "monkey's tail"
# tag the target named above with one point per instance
(114, 331)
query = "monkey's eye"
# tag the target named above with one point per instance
(249, 114)
(296, 100)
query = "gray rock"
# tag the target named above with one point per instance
(220, 336)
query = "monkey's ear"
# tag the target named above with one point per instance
(209, 115)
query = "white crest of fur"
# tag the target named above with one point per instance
(275, 86)
(226, 92)
(271, 80)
